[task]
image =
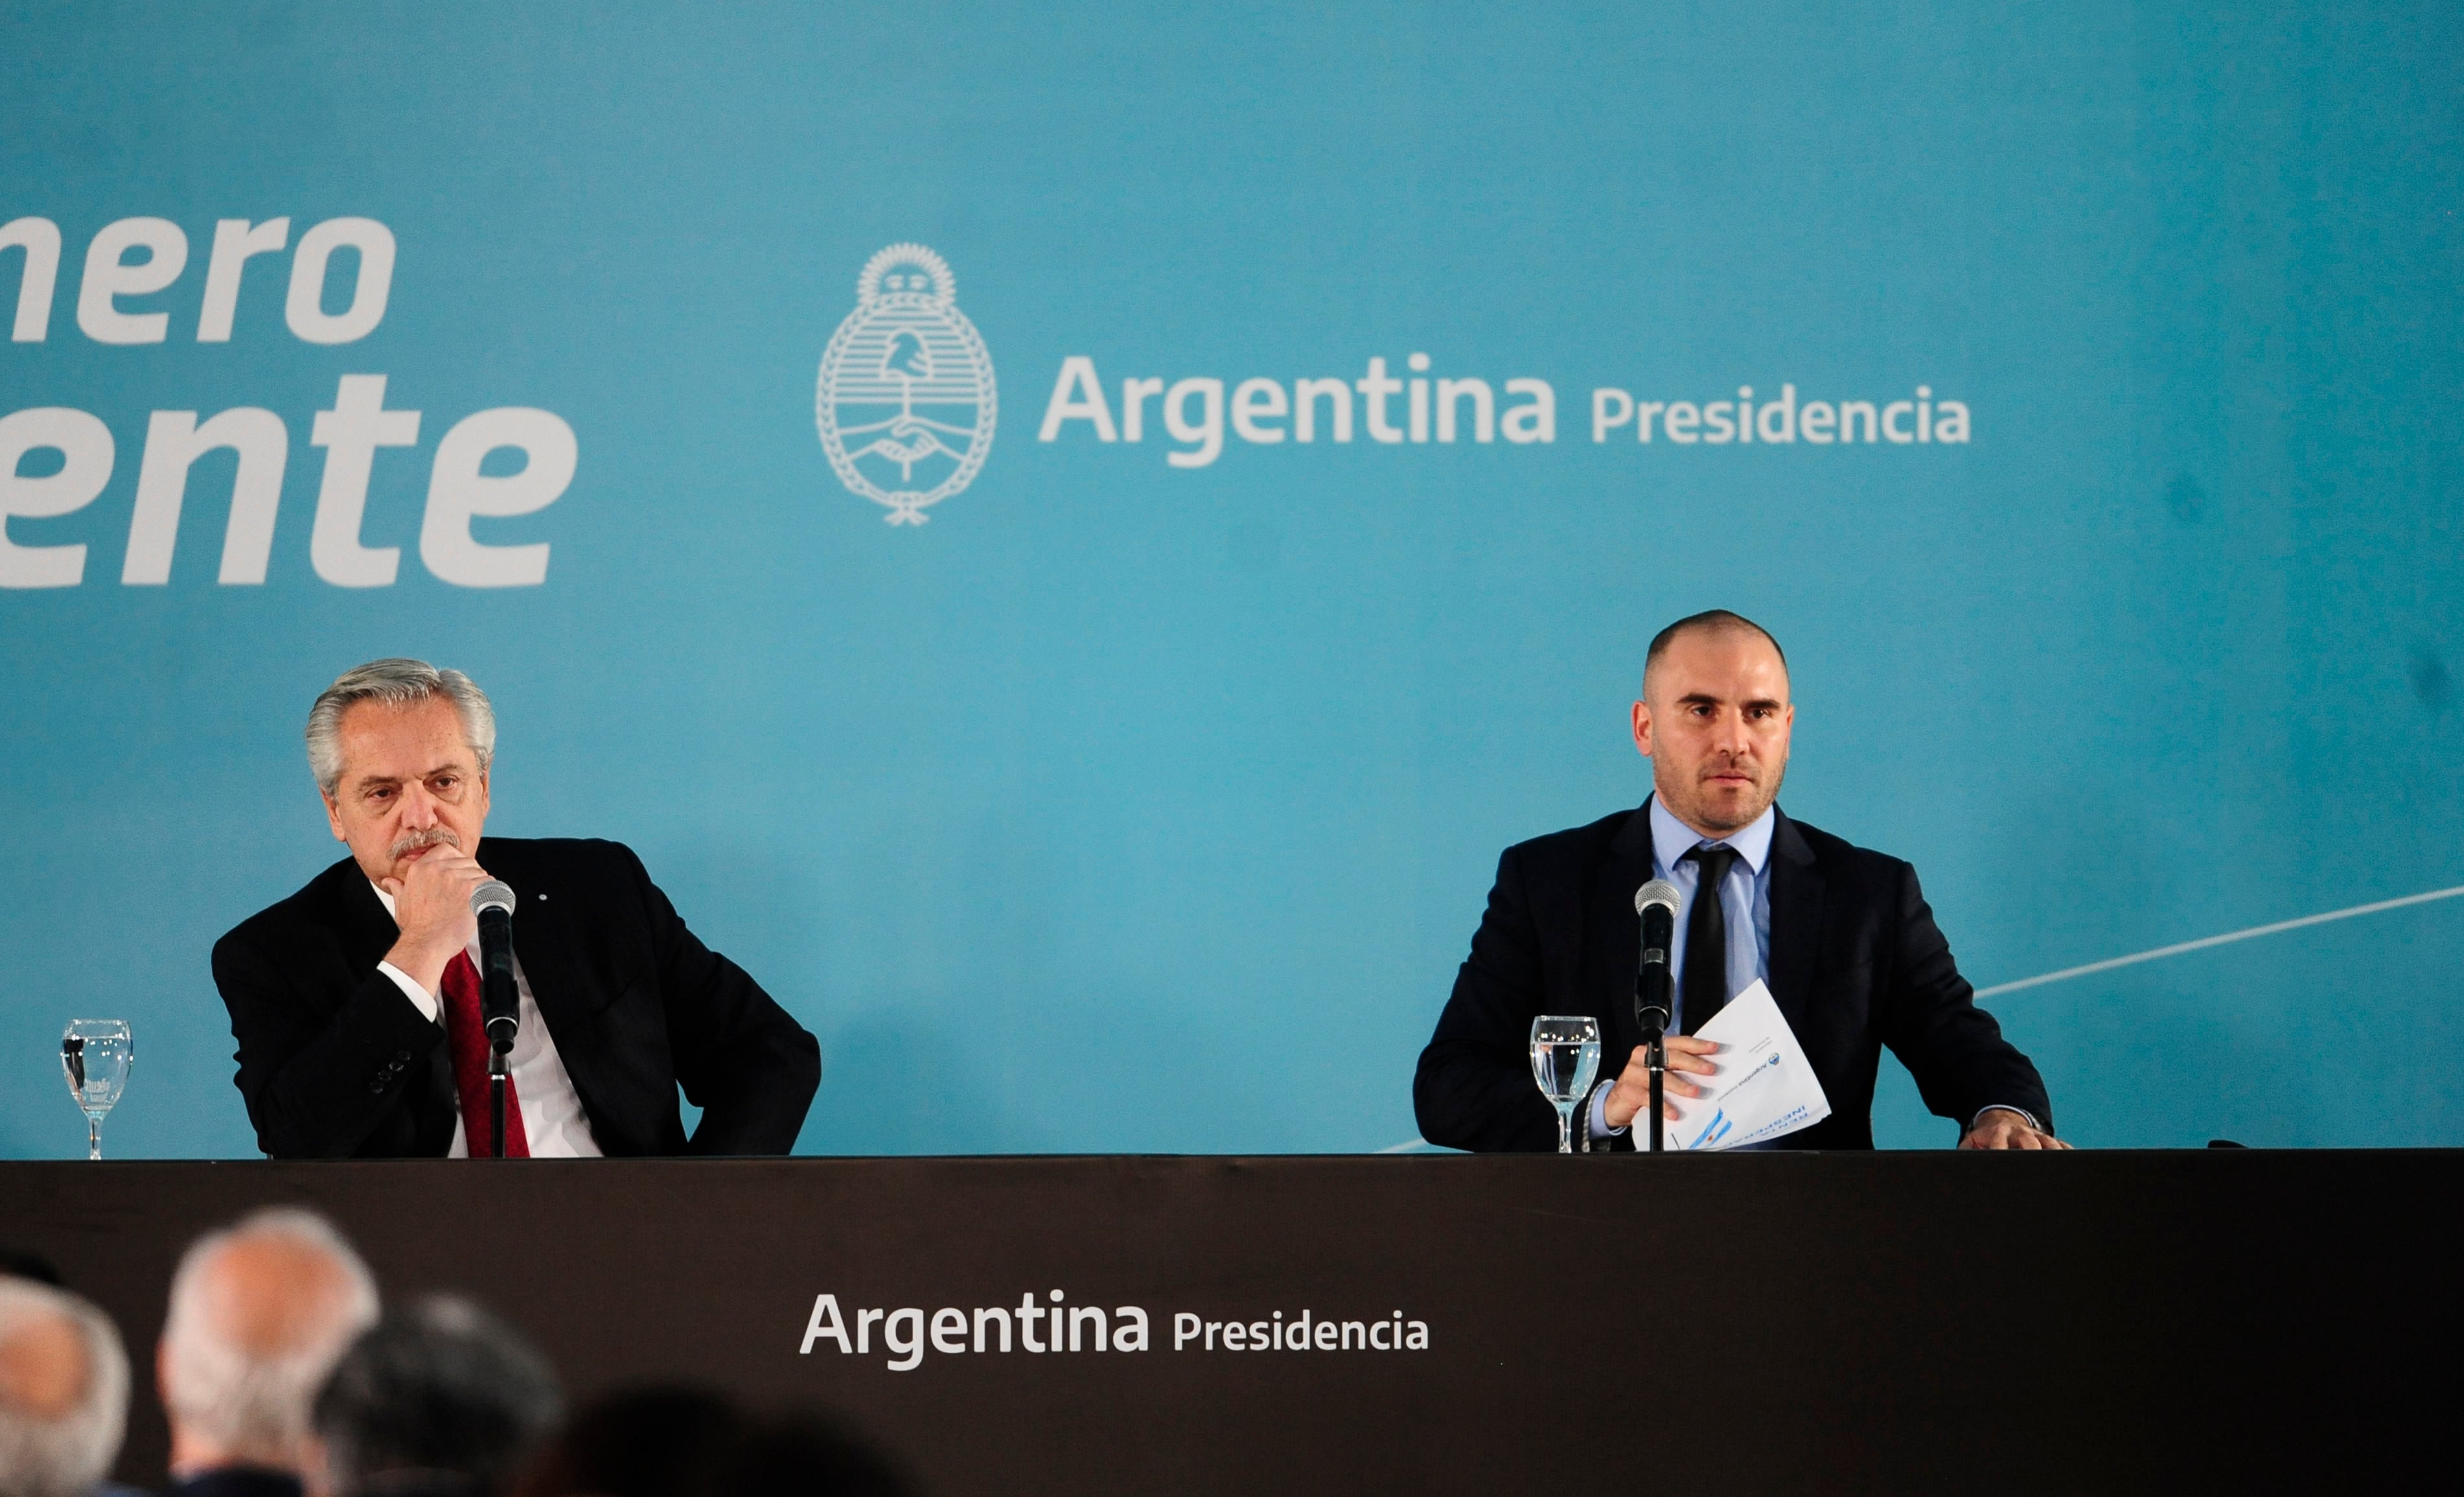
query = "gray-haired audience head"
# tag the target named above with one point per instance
(260, 1311)
(396, 682)
(439, 1396)
(63, 1392)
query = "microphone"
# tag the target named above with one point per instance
(493, 902)
(1657, 903)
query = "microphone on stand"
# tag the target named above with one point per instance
(492, 903)
(1657, 903)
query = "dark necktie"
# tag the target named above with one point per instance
(466, 1038)
(1706, 939)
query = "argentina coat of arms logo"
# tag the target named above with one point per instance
(906, 401)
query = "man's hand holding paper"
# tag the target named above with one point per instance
(1631, 1096)
(1764, 1088)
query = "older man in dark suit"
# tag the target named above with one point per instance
(1842, 936)
(356, 1002)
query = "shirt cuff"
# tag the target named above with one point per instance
(1599, 1113)
(2005, 1107)
(423, 999)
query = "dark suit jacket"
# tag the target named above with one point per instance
(1856, 965)
(335, 1063)
(235, 1481)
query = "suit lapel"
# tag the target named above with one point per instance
(1795, 921)
(1617, 933)
(368, 932)
(544, 944)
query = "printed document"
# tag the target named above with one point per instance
(1764, 1089)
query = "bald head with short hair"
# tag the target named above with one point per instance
(42, 1365)
(1708, 621)
(1714, 720)
(259, 1314)
(63, 1392)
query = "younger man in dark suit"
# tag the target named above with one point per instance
(1842, 936)
(356, 1000)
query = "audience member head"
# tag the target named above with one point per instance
(440, 1396)
(259, 1312)
(654, 1441)
(805, 1454)
(16, 1262)
(63, 1392)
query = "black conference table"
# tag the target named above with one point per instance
(2118, 1321)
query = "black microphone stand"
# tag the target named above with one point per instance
(500, 1000)
(1656, 1059)
(1656, 903)
(496, 1073)
(1651, 1012)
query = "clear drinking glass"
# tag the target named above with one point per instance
(94, 1054)
(1565, 1058)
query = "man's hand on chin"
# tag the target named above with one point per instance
(431, 907)
(2000, 1128)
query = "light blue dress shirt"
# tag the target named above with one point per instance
(1745, 895)
(1744, 905)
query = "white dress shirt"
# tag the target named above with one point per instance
(551, 1116)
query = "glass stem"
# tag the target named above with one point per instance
(93, 1136)
(1564, 1131)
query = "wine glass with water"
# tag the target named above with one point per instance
(1565, 1058)
(94, 1054)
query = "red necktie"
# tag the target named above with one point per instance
(466, 1036)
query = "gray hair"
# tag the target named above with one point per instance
(60, 1452)
(251, 1400)
(440, 1386)
(396, 682)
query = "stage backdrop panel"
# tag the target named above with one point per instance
(1070, 539)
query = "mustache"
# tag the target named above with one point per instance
(429, 837)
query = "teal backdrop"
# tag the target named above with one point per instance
(1128, 804)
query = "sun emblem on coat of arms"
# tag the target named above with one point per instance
(906, 400)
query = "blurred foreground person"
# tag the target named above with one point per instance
(16, 1262)
(63, 1392)
(676, 1441)
(806, 1454)
(655, 1442)
(259, 1314)
(440, 1399)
